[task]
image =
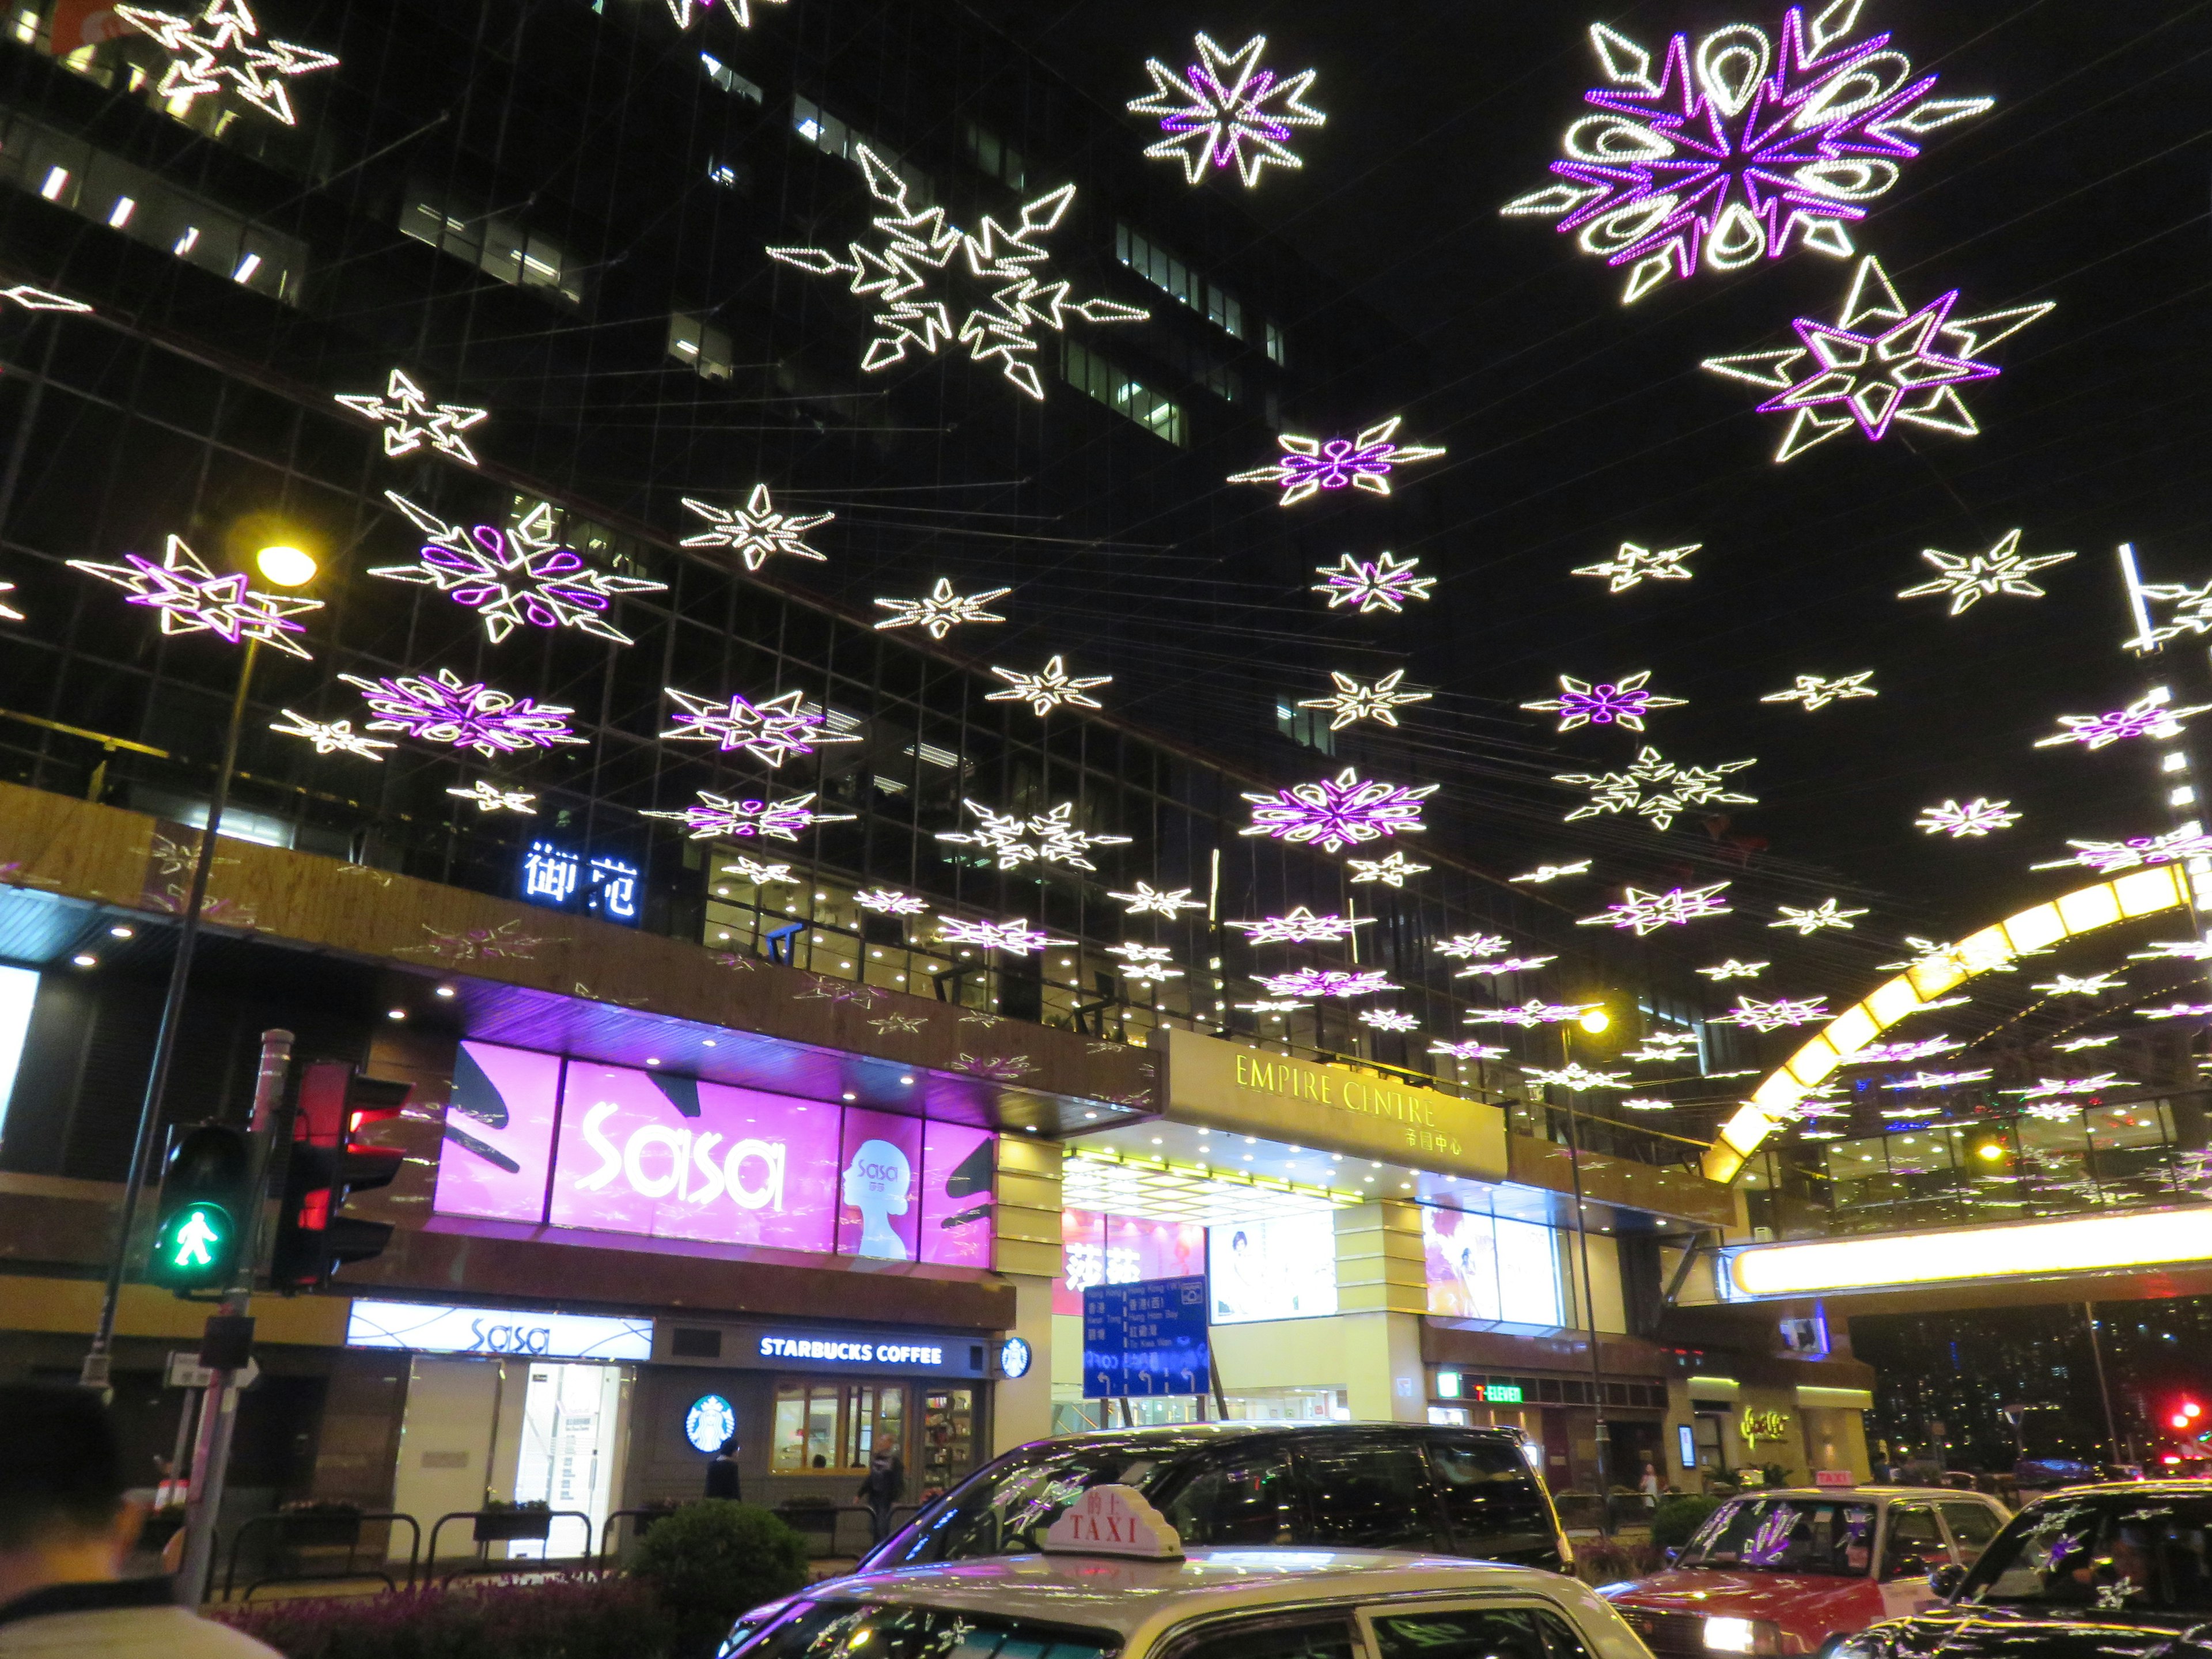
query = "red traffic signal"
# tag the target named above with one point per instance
(2185, 1413)
(325, 1166)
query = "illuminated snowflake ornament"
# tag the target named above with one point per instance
(1383, 583)
(773, 730)
(39, 299)
(1327, 983)
(1531, 1012)
(513, 578)
(1743, 146)
(1395, 870)
(1355, 702)
(1150, 900)
(1977, 817)
(2137, 851)
(226, 48)
(445, 709)
(1048, 687)
(1634, 566)
(1901, 1054)
(1503, 965)
(1968, 577)
(2177, 1011)
(1461, 947)
(1732, 969)
(410, 420)
(916, 257)
(1824, 914)
(1335, 813)
(193, 600)
(490, 798)
(1226, 111)
(761, 874)
(2147, 716)
(1575, 1075)
(1656, 788)
(1544, 873)
(756, 532)
(1622, 702)
(941, 609)
(1938, 1080)
(1643, 912)
(1469, 1050)
(1042, 838)
(1144, 965)
(2046, 1088)
(1300, 926)
(683, 11)
(1814, 692)
(331, 736)
(1017, 937)
(1662, 1046)
(1877, 364)
(1310, 466)
(719, 818)
(2074, 1045)
(1389, 1019)
(889, 902)
(1771, 1016)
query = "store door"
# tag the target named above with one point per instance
(571, 1451)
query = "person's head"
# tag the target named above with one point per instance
(62, 1519)
(730, 1447)
(1240, 1246)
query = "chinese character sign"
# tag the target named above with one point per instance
(563, 879)
(550, 875)
(613, 892)
(1118, 1249)
(1145, 1339)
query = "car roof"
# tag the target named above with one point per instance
(1193, 1434)
(2169, 1488)
(1846, 1494)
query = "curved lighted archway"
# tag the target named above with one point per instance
(2124, 898)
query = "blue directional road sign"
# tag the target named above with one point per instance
(1146, 1338)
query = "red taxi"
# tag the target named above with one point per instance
(1793, 1572)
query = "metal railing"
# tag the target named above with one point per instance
(299, 1531)
(491, 1527)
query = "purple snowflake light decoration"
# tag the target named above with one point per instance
(1327, 983)
(1532, 1012)
(2106, 856)
(1226, 111)
(1773, 1015)
(1300, 926)
(2147, 716)
(720, 816)
(774, 730)
(1017, 936)
(466, 714)
(1901, 1054)
(1310, 466)
(518, 577)
(1383, 583)
(1622, 702)
(1469, 1050)
(1741, 149)
(1644, 911)
(1336, 813)
(192, 599)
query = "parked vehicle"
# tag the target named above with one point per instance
(1466, 1492)
(1777, 1572)
(2123, 1568)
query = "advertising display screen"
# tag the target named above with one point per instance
(958, 1162)
(1284, 1268)
(878, 1200)
(499, 1133)
(1118, 1249)
(1482, 1268)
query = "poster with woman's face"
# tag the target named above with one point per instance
(1284, 1268)
(879, 1188)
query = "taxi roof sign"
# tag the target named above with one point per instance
(1114, 1521)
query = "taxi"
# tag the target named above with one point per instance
(1796, 1571)
(1114, 1582)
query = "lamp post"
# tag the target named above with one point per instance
(1592, 1020)
(286, 567)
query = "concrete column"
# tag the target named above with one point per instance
(1382, 1368)
(1027, 1252)
(1382, 1292)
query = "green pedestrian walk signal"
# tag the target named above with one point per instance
(203, 1194)
(194, 1245)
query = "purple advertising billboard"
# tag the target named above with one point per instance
(499, 1133)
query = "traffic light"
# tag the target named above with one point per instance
(324, 1166)
(206, 1204)
(2185, 1415)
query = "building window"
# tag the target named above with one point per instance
(836, 1426)
(498, 245)
(993, 155)
(1222, 311)
(835, 137)
(1171, 276)
(1274, 344)
(729, 79)
(1309, 727)
(698, 343)
(1091, 374)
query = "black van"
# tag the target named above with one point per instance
(1468, 1492)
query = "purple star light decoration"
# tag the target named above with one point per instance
(1016, 936)
(192, 599)
(1383, 583)
(2147, 716)
(1643, 912)
(1877, 364)
(447, 709)
(1310, 466)
(1300, 926)
(1532, 1012)
(518, 577)
(1743, 146)
(1226, 111)
(1339, 812)
(718, 816)
(773, 730)
(1327, 983)
(1622, 702)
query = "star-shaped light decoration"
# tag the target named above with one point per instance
(1048, 687)
(940, 611)
(1877, 364)
(1664, 1047)
(891, 902)
(1389, 1019)
(1938, 1080)
(2192, 612)
(1463, 947)
(410, 420)
(1826, 913)
(2147, 716)
(38, 299)
(722, 817)
(1734, 970)
(1966, 578)
(1144, 965)
(1772, 1015)
(1977, 817)
(490, 798)
(2084, 985)
(759, 874)
(1355, 702)
(1327, 983)
(1393, 871)
(227, 47)
(1299, 926)
(1643, 912)
(1815, 692)
(772, 730)
(1575, 1075)
(8, 611)
(1226, 111)
(1634, 565)
(514, 578)
(1016, 936)
(1903, 1053)
(1469, 1050)
(2106, 856)
(2186, 950)
(1309, 465)
(1550, 872)
(466, 714)
(2046, 1088)
(1148, 900)
(192, 599)
(1654, 787)
(1646, 1103)
(1620, 702)
(756, 532)
(1019, 292)
(1044, 838)
(1532, 1012)
(2177, 1011)
(331, 736)
(1383, 583)
(1502, 966)
(2074, 1045)
(1335, 813)
(740, 11)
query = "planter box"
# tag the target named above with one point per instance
(513, 1526)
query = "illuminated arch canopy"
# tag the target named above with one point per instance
(1773, 1103)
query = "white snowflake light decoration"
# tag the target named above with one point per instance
(941, 609)
(1622, 702)
(916, 257)
(39, 299)
(760, 873)
(1503, 965)
(1759, 1015)
(891, 902)
(2083, 985)
(2106, 856)
(2177, 1011)
(410, 420)
(1016, 936)
(1977, 817)
(2045, 1088)
(1048, 687)
(1152, 901)
(1903, 1053)
(1355, 702)
(1550, 872)
(1966, 577)
(1634, 565)
(1300, 926)
(1044, 838)
(2192, 612)
(1532, 1012)
(2075, 1045)
(1646, 1103)
(1734, 970)
(1144, 965)
(1327, 983)
(1656, 788)
(2147, 716)
(466, 714)
(2186, 950)
(1643, 912)
(773, 730)
(1826, 913)
(490, 798)
(1463, 947)
(514, 578)
(1575, 1075)
(1469, 1050)
(1278, 1005)
(1226, 111)
(740, 11)
(1389, 1019)
(1393, 870)
(8, 612)
(1814, 692)
(227, 47)
(192, 599)
(1383, 583)
(1309, 465)
(1938, 1080)
(1664, 1047)
(721, 818)
(756, 532)
(331, 736)
(1335, 813)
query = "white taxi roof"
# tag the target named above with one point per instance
(1139, 1599)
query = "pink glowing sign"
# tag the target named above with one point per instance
(959, 1163)
(499, 1133)
(1119, 1250)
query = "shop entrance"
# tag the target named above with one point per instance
(569, 1451)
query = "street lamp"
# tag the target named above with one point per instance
(1593, 1020)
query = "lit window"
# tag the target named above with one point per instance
(700, 345)
(119, 215)
(187, 242)
(57, 181)
(247, 267)
(728, 79)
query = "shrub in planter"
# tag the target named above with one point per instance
(712, 1560)
(1677, 1519)
(579, 1616)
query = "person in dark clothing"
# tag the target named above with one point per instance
(722, 1472)
(881, 1488)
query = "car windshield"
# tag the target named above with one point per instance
(1786, 1535)
(848, 1630)
(2114, 1551)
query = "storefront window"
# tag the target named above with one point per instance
(836, 1425)
(948, 1436)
